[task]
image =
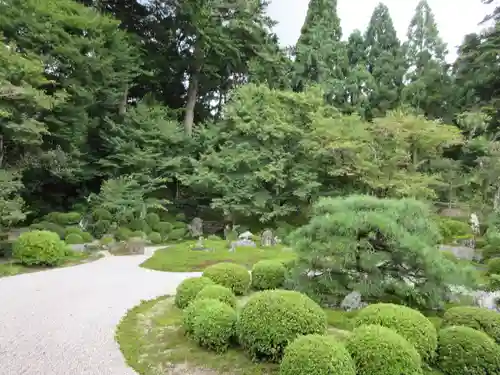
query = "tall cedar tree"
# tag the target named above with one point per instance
(320, 55)
(385, 62)
(428, 82)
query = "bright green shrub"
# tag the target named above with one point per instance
(494, 266)
(74, 230)
(163, 227)
(177, 234)
(152, 219)
(191, 312)
(214, 326)
(155, 238)
(123, 234)
(188, 289)
(450, 229)
(378, 350)
(268, 274)
(494, 282)
(102, 214)
(87, 237)
(466, 351)
(478, 318)
(273, 318)
(73, 239)
(64, 218)
(318, 355)
(231, 275)
(218, 292)
(409, 323)
(39, 248)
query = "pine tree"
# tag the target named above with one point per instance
(428, 80)
(385, 62)
(320, 55)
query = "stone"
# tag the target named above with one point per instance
(246, 235)
(461, 252)
(267, 238)
(196, 227)
(352, 302)
(242, 243)
(199, 245)
(133, 246)
(474, 223)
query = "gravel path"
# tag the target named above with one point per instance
(63, 321)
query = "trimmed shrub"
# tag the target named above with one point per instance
(218, 292)
(152, 219)
(188, 289)
(214, 326)
(191, 311)
(74, 230)
(137, 225)
(464, 350)
(50, 227)
(478, 318)
(100, 228)
(450, 229)
(318, 355)
(378, 350)
(138, 234)
(123, 234)
(163, 227)
(39, 248)
(494, 266)
(73, 239)
(268, 274)
(155, 238)
(64, 218)
(213, 237)
(494, 282)
(409, 323)
(87, 237)
(273, 318)
(231, 275)
(177, 234)
(102, 214)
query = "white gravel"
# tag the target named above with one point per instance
(63, 321)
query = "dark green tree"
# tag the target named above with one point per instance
(385, 62)
(320, 55)
(429, 86)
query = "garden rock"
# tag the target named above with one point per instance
(242, 243)
(200, 246)
(267, 238)
(196, 227)
(352, 302)
(461, 252)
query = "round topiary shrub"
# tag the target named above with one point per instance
(101, 214)
(231, 275)
(464, 350)
(318, 355)
(268, 274)
(138, 234)
(163, 227)
(75, 230)
(152, 219)
(100, 228)
(87, 237)
(177, 234)
(478, 318)
(218, 292)
(73, 239)
(273, 318)
(39, 248)
(214, 237)
(123, 234)
(494, 266)
(155, 238)
(409, 323)
(378, 350)
(214, 326)
(191, 311)
(53, 227)
(188, 289)
(137, 225)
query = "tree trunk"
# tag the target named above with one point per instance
(122, 108)
(192, 96)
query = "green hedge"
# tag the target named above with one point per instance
(39, 248)
(478, 318)
(268, 274)
(188, 289)
(218, 292)
(231, 275)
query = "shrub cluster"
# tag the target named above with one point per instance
(378, 350)
(464, 350)
(73, 239)
(39, 248)
(231, 275)
(273, 318)
(155, 238)
(268, 274)
(494, 266)
(409, 323)
(318, 355)
(478, 318)
(218, 292)
(188, 289)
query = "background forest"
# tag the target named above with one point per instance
(196, 103)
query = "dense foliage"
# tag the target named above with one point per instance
(218, 292)
(125, 106)
(316, 354)
(188, 289)
(409, 323)
(478, 318)
(268, 274)
(272, 319)
(39, 248)
(384, 248)
(231, 275)
(377, 350)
